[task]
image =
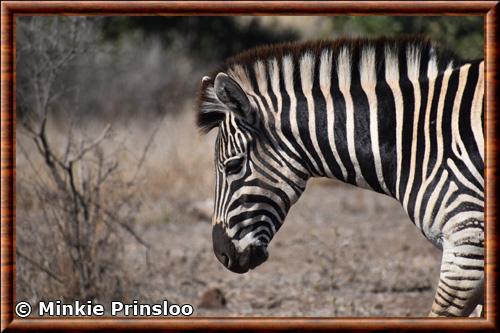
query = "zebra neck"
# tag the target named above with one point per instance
(374, 136)
(347, 134)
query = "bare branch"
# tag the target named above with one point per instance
(39, 266)
(146, 149)
(84, 150)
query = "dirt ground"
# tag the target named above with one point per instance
(342, 251)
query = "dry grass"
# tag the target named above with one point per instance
(179, 171)
(181, 159)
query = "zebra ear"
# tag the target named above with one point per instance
(234, 98)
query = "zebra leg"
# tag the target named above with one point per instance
(461, 282)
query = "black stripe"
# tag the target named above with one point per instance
(362, 120)
(469, 256)
(246, 215)
(463, 278)
(451, 295)
(302, 117)
(450, 302)
(449, 101)
(455, 287)
(408, 115)
(465, 127)
(256, 198)
(386, 115)
(322, 125)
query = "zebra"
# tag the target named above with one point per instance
(398, 116)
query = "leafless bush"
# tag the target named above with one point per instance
(82, 203)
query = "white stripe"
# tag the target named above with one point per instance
(477, 108)
(368, 84)
(413, 66)
(432, 72)
(392, 79)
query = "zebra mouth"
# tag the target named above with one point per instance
(252, 257)
(258, 255)
(234, 260)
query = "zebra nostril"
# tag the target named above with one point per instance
(224, 259)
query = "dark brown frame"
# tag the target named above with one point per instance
(9, 10)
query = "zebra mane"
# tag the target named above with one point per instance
(407, 51)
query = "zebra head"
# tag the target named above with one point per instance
(254, 187)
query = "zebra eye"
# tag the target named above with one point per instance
(234, 166)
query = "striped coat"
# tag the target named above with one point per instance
(397, 116)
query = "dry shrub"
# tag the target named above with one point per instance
(74, 210)
(82, 186)
(75, 203)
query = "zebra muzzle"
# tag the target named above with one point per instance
(231, 258)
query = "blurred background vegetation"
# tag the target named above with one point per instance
(110, 165)
(463, 34)
(164, 57)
